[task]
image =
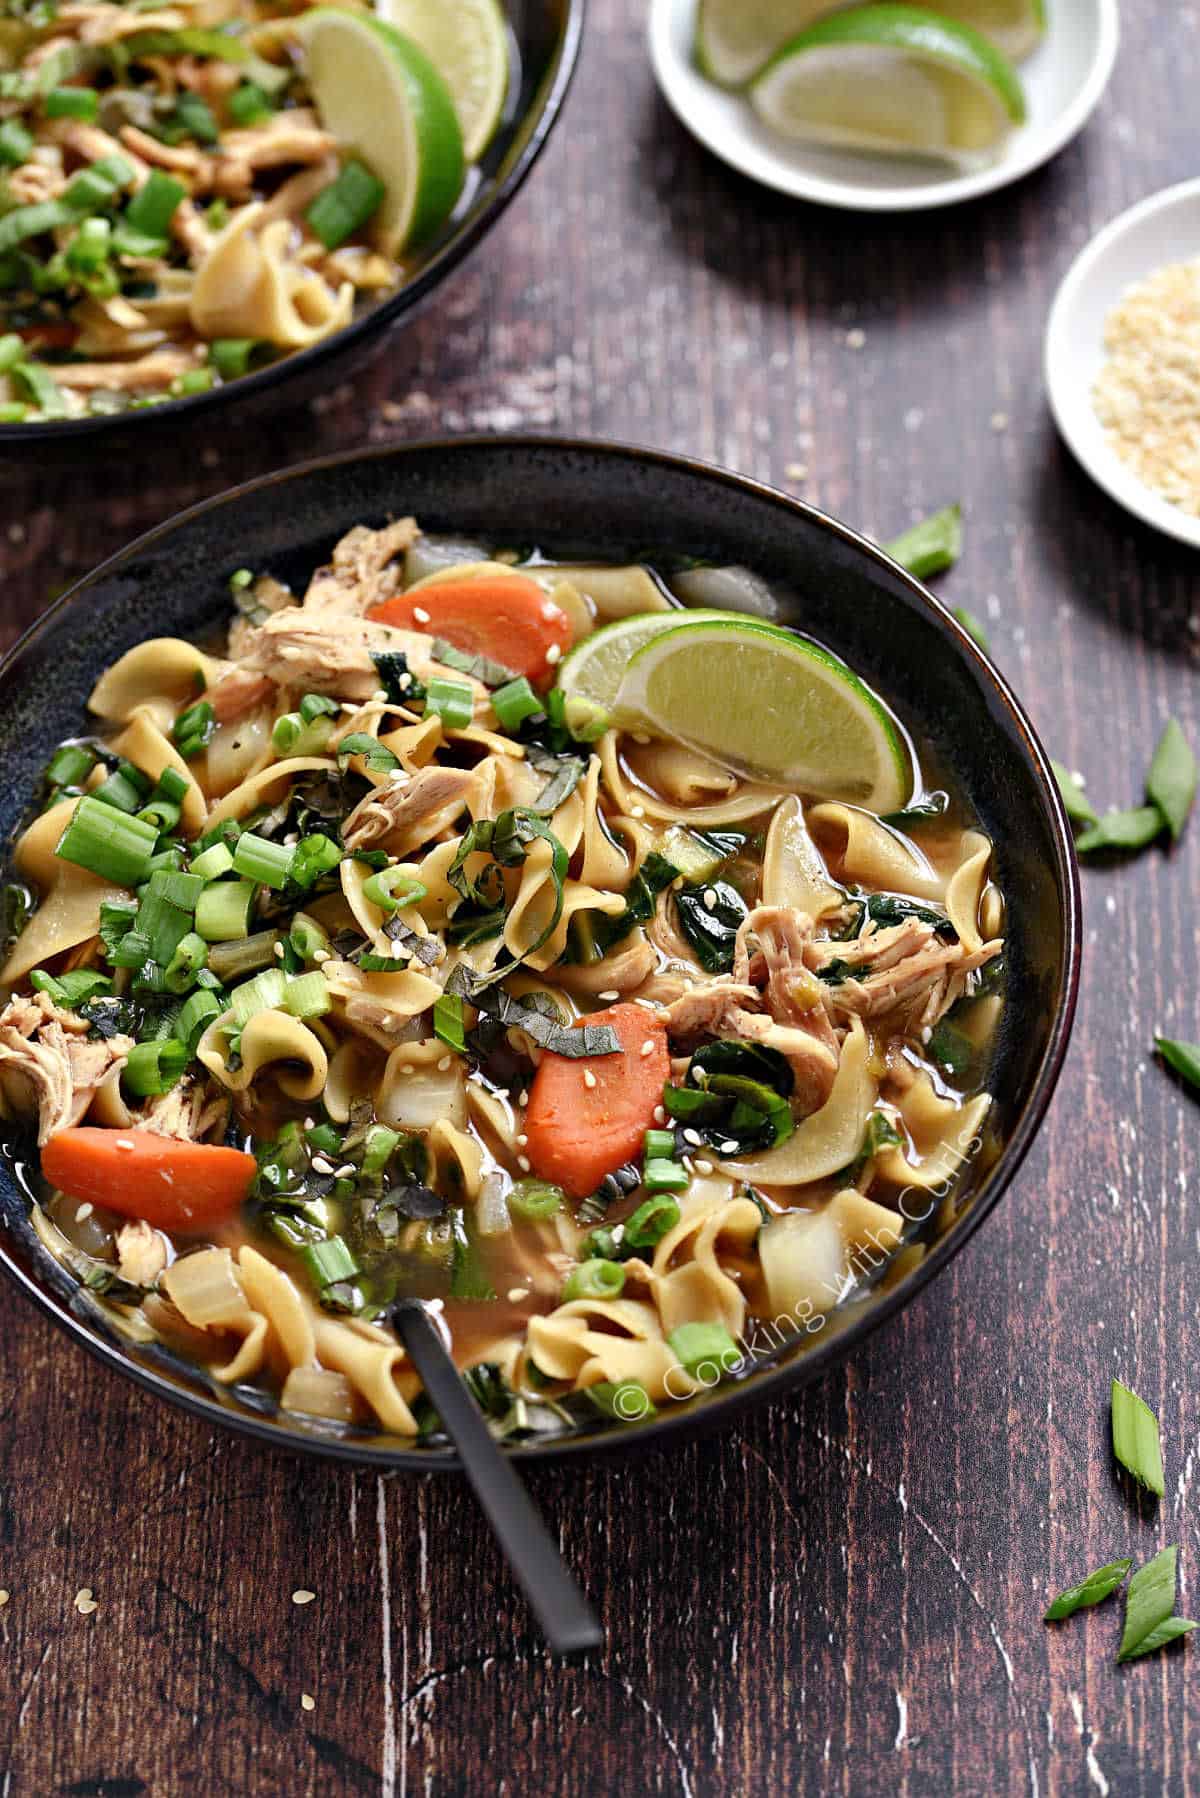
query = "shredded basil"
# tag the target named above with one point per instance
(565, 772)
(711, 929)
(934, 805)
(480, 667)
(375, 754)
(1093, 1590)
(506, 839)
(401, 687)
(641, 896)
(574, 1041)
(885, 909)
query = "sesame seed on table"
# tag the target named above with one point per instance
(842, 1592)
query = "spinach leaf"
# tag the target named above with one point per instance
(710, 917)
(655, 873)
(735, 1097)
(401, 687)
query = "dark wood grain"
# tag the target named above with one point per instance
(842, 1595)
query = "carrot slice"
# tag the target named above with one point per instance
(505, 617)
(137, 1173)
(579, 1129)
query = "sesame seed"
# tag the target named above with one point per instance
(694, 1137)
(647, 1047)
(517, 1293)
(999, 421)
(344, 1172)
(307, 1702)
(729, 1148)
(704, 1167)
(421, 615)
(855, 339)
(397, 952)
(643, 737)
(444, 1065)
(589, 1079)
(637, 811)
(322, 1166)
(660, 1114)
(322, 955)
(549, 609)
(796, 471)
(302, 1596)
(85, 1604)
(523, 1163)
(610, 995)
(84, 1211)
(926, 1034)
(502, 1092)
(380, 696)
(123, 1142)
(405, 682)
(554, 654)
(710, 898)
(277, 949)
(522, 1139)
(389, 1020)
(310, 1123)
(523, 1098)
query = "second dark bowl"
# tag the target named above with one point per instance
(578, 500)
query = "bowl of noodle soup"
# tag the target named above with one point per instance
(188, 220)
(664, 1083)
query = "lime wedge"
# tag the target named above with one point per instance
(1016, 27)
(386, 103)
(891, 78)
(734, 38)
(467, 43)
(595, 670)
(771, 705)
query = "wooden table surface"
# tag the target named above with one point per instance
(843, 1593)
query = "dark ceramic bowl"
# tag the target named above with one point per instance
(586, 499)
(545, 36)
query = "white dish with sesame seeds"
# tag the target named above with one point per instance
(1063, 80)
(1148, 240)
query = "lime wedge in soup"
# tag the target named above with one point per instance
(467, 43)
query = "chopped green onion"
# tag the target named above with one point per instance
(73, 988)
(452, 700)
(248, 104)
(16, 143)
(1171, 782)
(136, 245)
(312, 857)
(594, 1280)
(448, 1022)
(317, 705)
(264, 993)
(325, 1140)
(586, 721)
(13, 412)
(163, 812)
(126, 788)
(1093, 1590)
(1135, 1438)
(307, 938)
(223, 910)
(293, 736)
(1148, 1607)
(329, 1261)
(379, 1145)
(199, 1011)
(178, 889)
(154, 1068)
(660, 1145)
(699, 1347)
(231, 960)
(193, 380)
(1184, 1058)
(70, 765)
(93, 188)
(108, 843)
(24, 222)
(1133, 829)
(662, 1175)
(39, 384)
(230, 356)
(259, 859)
(1076, 803)
(213, 862)
(627, 1400)
(193, 729)
(191, 954)
(515, 702)
(307, 996)
(192, 117)
(533, 1200)
(155, 203)
(931, 546)
(973, 627)
(89, 249)
(651, 1222)
(344, 207)
(72, 103)
(393, 888)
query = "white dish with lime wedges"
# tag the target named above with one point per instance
(883, 108)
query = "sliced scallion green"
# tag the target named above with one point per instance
(230, 356)
(1171, 782)
(16, 143)
(452, 700)
(594, 1280)
(199, 1011)
(266, 992)
(223, 910)
(704, 1350)
(307, 937)
(1148, 1607)
(1133, 829)
(329, 1261)
(314, 856)
(72, 103)
(1135, 1438)
(155, 203)
(70, 765)
(663, 1175)
(1076, 803)
(1093, 1590)
(307, 996)
(292, 735)
(532, 1200)
(212, 862)
(931, 546)
(448, 1022)
(154, 1068)
(257, 858)
(191, 954)
(248, 104)
(344, 207)
(626, 1400)
(515, 702)
(651, 1222)
(391, 889)
(1183, 1057)
(108, 842)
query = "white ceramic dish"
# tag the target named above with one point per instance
(1063, 80)
(1164, 228)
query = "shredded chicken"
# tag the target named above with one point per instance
(288, 137)
(141, 1253)
(364, 570)
(403, 816)
(905, 972)
(48, 1064)
(158, 368)
(240, 691)
(726, 1008)
(34, 182)
(183, 159)
(100, 23)
(192, 1112)
(323, 653)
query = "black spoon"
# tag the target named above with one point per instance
(568, 1621)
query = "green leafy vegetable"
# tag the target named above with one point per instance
(479, 667)
(401, 687)
(735, 1097)
(565, 772)
(1183, 1057)
(1148, 1607)
(1093, 1590)
(376, 755)
(931, 546)
(710, 917)
(1134, 829)
(641, 895)
(1171, 782)
(1135, 1438)
(506, 839)
(1076, 803)
(578, 1041)
(950, 1048)
(468, 1276)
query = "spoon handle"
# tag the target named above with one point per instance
(567, 1619)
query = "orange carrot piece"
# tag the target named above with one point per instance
(578, 1131)
(506, 617)
(171, 1184)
